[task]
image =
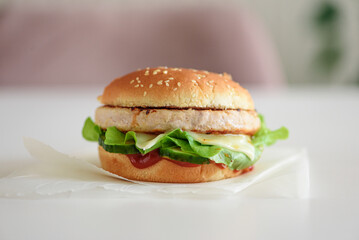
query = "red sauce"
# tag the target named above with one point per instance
(248, 169)
(220, 165)
(144, 161)
(223, 166)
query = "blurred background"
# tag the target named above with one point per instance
(268, 43)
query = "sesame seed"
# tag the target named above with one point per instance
(211, 81)
(132, 81)
(199, 77)
(138, 81)
(137, 85)
(178, 84)
(137, 78)
(174, 89)
(147, 73)
(207, 84)
(160, 82)
(167, 84)
(167, 81)
(170, 78)
(145, 93)
(155, 72)
(141, 85)
(165, 72)
(150, 85)
(194, 81)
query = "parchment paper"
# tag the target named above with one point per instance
(281, 173)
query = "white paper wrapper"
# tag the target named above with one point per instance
(280, 173)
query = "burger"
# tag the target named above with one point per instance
(176, 125)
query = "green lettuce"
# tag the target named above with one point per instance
(236, 160)
(180, 145)
(267, 137)
(91, 131)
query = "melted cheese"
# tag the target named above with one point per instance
(146, 141)
(235, 142)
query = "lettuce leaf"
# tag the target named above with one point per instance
(196, 147)
(267, 137)
(180, 145)
(91, 131)
(236, 160)
(114, 137)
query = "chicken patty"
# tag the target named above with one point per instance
(152, 120)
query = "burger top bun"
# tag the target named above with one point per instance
(176, 88)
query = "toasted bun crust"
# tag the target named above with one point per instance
(163, 171)
(176, 88)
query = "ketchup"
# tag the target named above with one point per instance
(220, 165)
(248, 169)
(223, 166)
(143, 161)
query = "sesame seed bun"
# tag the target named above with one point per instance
(163, 171)
(176, 88)
(162, 99)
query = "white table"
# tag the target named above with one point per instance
(324, 120)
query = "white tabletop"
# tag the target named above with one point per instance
(323, 120)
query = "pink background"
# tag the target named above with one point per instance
(66, 46)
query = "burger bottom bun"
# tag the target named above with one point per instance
(163, 171)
